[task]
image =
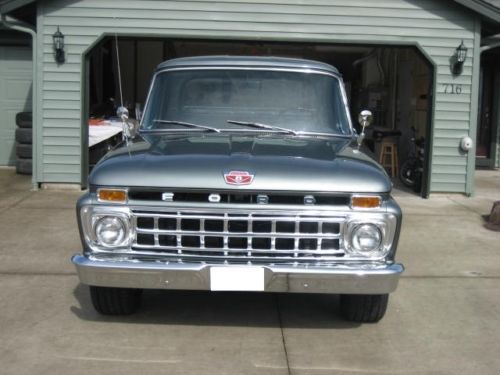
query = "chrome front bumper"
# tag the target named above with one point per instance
(368, 278)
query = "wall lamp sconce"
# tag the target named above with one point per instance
(58, 44)
(458, 59)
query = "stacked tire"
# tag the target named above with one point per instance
(24, 143)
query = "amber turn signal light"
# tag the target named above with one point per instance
(365, 202)
(112, 195)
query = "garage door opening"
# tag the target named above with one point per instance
(394, 82)
(16, 76)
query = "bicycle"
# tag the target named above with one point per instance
(412, 169)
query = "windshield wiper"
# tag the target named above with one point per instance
(263, 126)
(182, 123)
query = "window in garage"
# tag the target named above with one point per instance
(393, 82)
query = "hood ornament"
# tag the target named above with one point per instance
(238, 178)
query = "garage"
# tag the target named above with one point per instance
(393, 82)
(416, 64)
(15, 90)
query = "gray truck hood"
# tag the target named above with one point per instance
(278, 163)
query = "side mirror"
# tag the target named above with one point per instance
(129, 126)
(122, 113)
(365, 118)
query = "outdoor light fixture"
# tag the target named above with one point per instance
(459, 59)
(58, 43)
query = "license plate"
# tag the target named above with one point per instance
(237, 279)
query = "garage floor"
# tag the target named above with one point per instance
(443, 319)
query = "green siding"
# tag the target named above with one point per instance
(436, 26)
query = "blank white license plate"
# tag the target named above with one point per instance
(237, 278)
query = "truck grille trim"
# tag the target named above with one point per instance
(237, 197)
(244, 235)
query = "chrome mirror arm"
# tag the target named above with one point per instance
(365, 118)
(128, 127)
(361, 137)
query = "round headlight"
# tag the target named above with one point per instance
(110, 231)
(366, 238)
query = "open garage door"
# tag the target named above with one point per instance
(393, 82)
(15, 96)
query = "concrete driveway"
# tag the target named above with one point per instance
(443, 319)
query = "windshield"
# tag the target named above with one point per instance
(224, 99)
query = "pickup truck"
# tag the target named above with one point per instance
(244, 174)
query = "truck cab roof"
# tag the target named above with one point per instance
(246, 61)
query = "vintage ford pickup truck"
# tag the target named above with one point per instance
(245, 174)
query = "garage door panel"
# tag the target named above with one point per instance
(8, 137)
(19, 90)
(14, 55)
(8, 116)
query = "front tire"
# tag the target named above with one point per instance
(363, 308)
(115, 301)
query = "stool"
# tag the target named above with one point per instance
(389, 157)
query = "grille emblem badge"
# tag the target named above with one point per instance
(238, 178)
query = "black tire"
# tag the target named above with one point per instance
(363, 308)
(24, 151)
(115, 301)
(24, 136)
(24, 166)
(24, 120)
(408, 173)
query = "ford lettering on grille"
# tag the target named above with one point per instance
(238, 178)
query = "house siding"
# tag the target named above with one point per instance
(436, 26)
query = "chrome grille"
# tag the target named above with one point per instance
(242, 235)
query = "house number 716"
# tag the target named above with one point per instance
(451, 88)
